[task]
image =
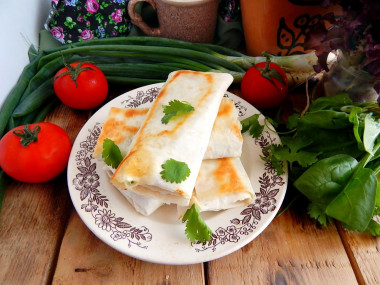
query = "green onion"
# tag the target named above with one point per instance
(132, 61)
(36, 99)
(122, 80)
(16, 93)
(158, 50)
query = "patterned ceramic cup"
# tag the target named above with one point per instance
(279, 26)
(188, 20)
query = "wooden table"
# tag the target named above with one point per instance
(43, 241)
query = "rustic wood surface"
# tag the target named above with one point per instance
(43, 241)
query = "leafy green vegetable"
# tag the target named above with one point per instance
(325, 179)
(371, 132)
(334, 156)
(331, 103)
(252, 125)
(111, 153)
(291, 150)
(377, 202)
(355, 205)
(174, 109)
(326, 119)
(174, 171)
(196, 228)
(354, 119)
(316, 211)
(373, 228)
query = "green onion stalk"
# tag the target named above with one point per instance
(131, 61)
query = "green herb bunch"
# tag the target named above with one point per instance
(334, 161)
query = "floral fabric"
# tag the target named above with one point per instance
(72, 21)
(229, 10)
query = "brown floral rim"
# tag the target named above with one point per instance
(87, 183)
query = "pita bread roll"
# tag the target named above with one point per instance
(225, 141)
(184, 139)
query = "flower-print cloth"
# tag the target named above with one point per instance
(72, 21)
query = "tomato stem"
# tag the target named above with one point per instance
(74, 71)
(267, 63)
(269, 73)
(27, 135)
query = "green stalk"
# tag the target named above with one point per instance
(137, 70)
(16, 93)
(148, 41)
(366, 158)
(36, 99)
(179, 52)
(132, 81)
(44, 110)
(143, 57)
(40, 77)
(377, 170)
(300, 62)
(303, 62)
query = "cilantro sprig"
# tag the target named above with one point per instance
(175, 108)
(252, 125)
(174, 171)
(291, 150)
(196, 228)
(111, 153)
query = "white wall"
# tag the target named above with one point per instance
(20, 23)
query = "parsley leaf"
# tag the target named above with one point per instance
(174, 171)
(196, 228)
(292, 121)
(304, 158)
(252, 125)
(317, 212)
(111, 153)
(175, 108)
(291, 151)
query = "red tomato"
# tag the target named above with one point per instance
(81, 86)
(262, 92)
(39, 161)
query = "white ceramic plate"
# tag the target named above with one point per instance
(160, 238)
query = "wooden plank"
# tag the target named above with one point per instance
(364, 251)
(33, 219)
(85, 259)
(291, 250)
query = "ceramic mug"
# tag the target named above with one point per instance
(188, 20)
(279, 26)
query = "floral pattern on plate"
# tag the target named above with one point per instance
(110, 216)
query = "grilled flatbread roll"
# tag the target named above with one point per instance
(183, 139)
(225, 141)
(120, 126)
(221, 184)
